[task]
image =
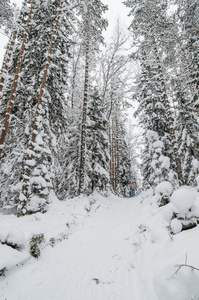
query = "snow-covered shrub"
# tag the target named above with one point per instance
(183, 200)
(13, 238)
(163, 192)
(35, 241)
(186, 214)
(176, 226)
(158, 166)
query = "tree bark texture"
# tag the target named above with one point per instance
(15, 82)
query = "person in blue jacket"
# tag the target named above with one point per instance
(132, 188)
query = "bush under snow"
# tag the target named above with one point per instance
(183, 200)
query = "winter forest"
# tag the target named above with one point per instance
(81, 118)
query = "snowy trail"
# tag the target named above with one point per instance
(116, 249)
(96, 262)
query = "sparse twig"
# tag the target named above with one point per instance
(184, 265)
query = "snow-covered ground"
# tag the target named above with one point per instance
(99, 248)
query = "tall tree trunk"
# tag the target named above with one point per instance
(37, 114)
(15, 82)
(169, 115)
(113, 157)
(110, 153)
(9, 50)
(117, 148)
(84, 110)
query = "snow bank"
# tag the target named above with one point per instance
(12, 236)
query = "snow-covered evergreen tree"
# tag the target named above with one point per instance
(151, 29)
(185, 85)
(6, 15)
(97, 158)
(93, 23)
(68, 173)
(51, 122)
(187, 126)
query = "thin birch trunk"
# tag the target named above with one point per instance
(37, 114)
(9, 51)
(15, 83)
(84, 110)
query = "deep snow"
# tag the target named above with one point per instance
(106, 248)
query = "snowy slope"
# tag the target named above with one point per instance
(105, 249)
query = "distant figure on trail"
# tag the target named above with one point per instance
(132, 188)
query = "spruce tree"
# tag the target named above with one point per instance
(6, 15)
(52, 121)
(151, 29)
(10, 47)
(39, 165)
(91, 12)
(15, 81)
(185, 86)
(97, 157)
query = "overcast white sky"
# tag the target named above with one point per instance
(116, 10)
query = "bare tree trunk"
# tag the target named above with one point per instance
(113, 158)
(110, 151)
(15, 82)
(37, 114)
(169, 116)
(84, 110)
(117, 147)
(115, 163)
(9, 51)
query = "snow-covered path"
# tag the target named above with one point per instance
(116, 249)
(96, 262)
